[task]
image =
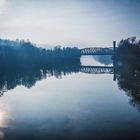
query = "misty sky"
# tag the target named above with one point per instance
(81, 23)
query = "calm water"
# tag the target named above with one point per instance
(74, 106)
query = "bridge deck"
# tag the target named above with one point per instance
(97, 51)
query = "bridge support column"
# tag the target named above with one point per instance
(114, 46)
(114, 59)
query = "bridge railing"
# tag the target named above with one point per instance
(97, 51)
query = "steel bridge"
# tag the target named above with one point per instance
(97, 51)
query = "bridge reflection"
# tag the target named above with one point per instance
(97, 69)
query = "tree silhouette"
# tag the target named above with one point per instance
(128, 69)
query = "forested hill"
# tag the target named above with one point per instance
(24, 54)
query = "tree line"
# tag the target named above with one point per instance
(24, 55)
(128, 52)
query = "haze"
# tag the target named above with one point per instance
(81, 23)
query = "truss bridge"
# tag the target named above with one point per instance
(97, 51)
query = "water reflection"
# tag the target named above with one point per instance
(28, 77)
(97, 60)
(106, 59)
(11, 79)
(80, 106)
(128, 77)
(4, 117)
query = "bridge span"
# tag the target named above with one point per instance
(99, 51)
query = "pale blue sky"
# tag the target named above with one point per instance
(81, 23)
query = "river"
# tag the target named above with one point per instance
(74, 106)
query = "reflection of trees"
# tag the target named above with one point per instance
(128, 69)
(129, 80)
(103, 59)
(28, 77)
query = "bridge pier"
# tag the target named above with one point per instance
(114, 46)
(114, 59)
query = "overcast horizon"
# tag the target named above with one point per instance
(80, 23)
